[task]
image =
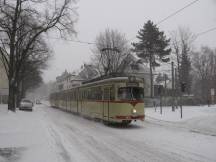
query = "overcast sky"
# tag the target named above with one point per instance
(128, 16)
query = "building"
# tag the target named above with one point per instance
(88, 71)
(3, 85)
(66, 81)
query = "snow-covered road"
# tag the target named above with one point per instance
(51, 135)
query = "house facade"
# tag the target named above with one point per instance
(66, 81)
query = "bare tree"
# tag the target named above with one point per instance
(34, 18)
(111, 52)
(30, 71)
(181, 42)
(204, 69)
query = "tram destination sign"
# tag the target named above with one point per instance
(132, 84)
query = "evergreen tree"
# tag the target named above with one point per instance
(152, 47)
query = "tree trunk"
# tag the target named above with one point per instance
(19, 93)
(11, 98)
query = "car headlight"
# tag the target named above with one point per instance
(134, 111)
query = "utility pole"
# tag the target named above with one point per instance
(176, 89)
(172, 68)
(160, 94)
(212, 95)
(181, 104)
(165, 84)
(183, 87)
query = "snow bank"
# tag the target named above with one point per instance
(200, 119)
(23, 137)
(189, 112)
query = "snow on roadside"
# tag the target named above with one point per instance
(189, 112)
(23, 137)
(200, 119)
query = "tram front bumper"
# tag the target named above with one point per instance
(131, 117)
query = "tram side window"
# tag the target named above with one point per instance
(75, 95)
(72, 96)
(60, 96)
(65, 96)
(80, 95)
(112, 93)
(106, 94)
(99, 94)
(96, 94)
(84, 94)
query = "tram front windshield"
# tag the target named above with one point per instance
(130, 93)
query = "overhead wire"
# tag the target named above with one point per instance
(176, 12)
(205, 32)
(173, 14)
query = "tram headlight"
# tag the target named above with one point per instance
(134, 111)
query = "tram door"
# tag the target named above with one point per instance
(106, 99)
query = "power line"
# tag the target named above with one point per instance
(176, 12)
(89, 43)
(205, 32)
(173, 14)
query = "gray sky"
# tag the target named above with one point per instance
(128, 16)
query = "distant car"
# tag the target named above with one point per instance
(38, 102)
(26, 104)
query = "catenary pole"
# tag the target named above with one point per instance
(172, 68)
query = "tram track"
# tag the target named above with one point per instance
(97, 142)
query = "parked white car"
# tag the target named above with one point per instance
(26, 104)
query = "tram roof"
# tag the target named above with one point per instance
(111, 79)
(108, 79)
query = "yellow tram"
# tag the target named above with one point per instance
(113, 100)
